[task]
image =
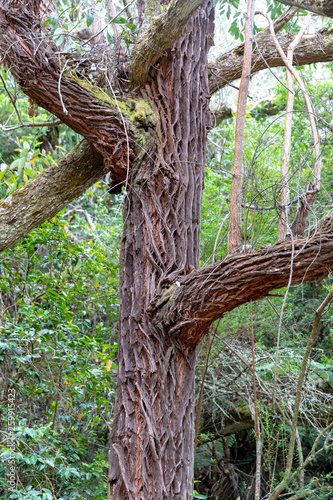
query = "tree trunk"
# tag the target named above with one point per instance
(153, 430)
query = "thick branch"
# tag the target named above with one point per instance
(187, 308)
(228, 67)
(321, 7)
(47, 194)
(160, 36)
(41, 74)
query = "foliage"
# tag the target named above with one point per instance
(58, 351)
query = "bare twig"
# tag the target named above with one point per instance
(31, 125)
(12, 99)
(235, 226)
(284, 213)
(298, 225)
(315, 328)
(204, 371)
(256, 418)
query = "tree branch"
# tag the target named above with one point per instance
(320, 7)
(41, 73)
(47, 194)
(187, 308)
(235, 221)
(160, 36)
(228, 67)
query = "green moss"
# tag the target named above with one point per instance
(138, 112)
(99, 93)
(143, 114)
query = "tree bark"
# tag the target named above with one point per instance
(43, 197)
(228, 67)
(162, 32)
(187, 308)
(42, 76)
(153, 430)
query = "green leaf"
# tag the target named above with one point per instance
(90, 17)
(120, 20)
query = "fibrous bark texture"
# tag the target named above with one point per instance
(160, 36)
(228, 67)
(186, 310)
(41, 74)
(47, 194)
(153, 432)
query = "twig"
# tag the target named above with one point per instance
(111, 21)
(217, 238)
(284, 213)
(31, 125)
(256, 418)
(12, 99)
(204, 371)
(313, 189)
(59, 89)
(310, 343)
(281, 315)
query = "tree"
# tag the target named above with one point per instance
(151, 138)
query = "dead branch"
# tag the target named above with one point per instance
(235, 225)
(320, 7)
(283, 229)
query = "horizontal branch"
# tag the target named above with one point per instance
(320, 7)
(41, 73)
(43, 197)
(160, 36)
(228, 67)
(239, 417)
(188, 307)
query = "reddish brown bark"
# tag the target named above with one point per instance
(160, 35)
(152, 447)
(153, 429)
(187, 310)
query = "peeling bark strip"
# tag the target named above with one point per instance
(151, 456)
(228, 67)
(43, 197)
(187, 310)
(36, 67)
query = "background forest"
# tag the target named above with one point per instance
(59, 302)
